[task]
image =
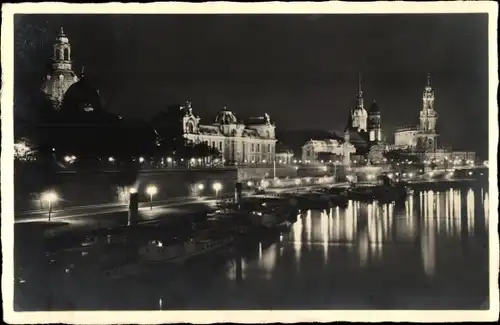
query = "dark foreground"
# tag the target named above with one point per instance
(429, 253)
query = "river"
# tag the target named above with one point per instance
(429, 253)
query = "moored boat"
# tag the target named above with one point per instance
(156, 252)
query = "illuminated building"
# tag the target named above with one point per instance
(238, 142)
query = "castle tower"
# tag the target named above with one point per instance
(428, 116)
(374, 124)
(61, 76)
(359, 114)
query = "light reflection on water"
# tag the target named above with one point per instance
(385, 235)
(428, 252)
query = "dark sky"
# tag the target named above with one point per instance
(301, 69)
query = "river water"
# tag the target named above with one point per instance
(428, 253)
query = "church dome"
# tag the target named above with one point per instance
(81, 96)
(374, 108)
(225, 117)
(359, 111)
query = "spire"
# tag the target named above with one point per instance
(360, 91)
(61, 32)
(82, 72)
(359, 96)
(428, 79)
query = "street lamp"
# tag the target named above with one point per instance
(201, 187)
(264, 184)
(217, 187)
(49, 197)
(297, 182)
(151, 190)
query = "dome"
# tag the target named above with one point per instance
(225, 117)
(81, 96)
(359, 111)
(61, 37)
(374, 108)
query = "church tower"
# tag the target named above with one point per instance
(374, 124)
(428, 116)
(427, 136)
(359, 114)
(61, 76)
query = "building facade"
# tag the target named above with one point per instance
(424, 136)
(61, 76)
(240, 143)
(284, 157)
(339, 151)
(375, 134)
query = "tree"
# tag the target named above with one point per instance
(24, 150)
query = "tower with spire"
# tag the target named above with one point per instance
(427, 136)
(358, 114)
(61, 76)
(428, 116)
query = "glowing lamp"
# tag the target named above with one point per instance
(151, 190)
(50, 197)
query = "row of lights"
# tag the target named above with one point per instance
(265, 183)
(50, 197)
(456, 161)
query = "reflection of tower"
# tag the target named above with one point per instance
(428, 118)
(62, 76)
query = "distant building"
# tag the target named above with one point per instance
(61, 76)
(284, 155)
(424, 136)
(313, 150)
(422, 139)
(238, 142)
(364, 128)
(63, 87)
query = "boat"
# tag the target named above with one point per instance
(122, 271)
(366, 194)
(395, 193)
(313, 200)
(385, 193)
(156, 252)
(227, 221)
(337, 196)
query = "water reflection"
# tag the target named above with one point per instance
(363, 254)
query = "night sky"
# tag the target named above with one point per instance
(301, 69)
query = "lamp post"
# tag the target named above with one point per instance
(217, 187)
(49, 197)
(200, 188)
(297, 182)
(151, 190)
